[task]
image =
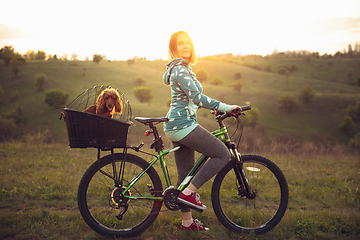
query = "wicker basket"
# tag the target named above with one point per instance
(90, 130)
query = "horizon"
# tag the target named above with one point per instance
(123, 30)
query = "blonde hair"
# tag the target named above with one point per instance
(173, 48)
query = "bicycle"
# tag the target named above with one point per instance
(121, 194)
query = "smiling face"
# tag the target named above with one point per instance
(183, 46)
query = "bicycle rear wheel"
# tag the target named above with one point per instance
(101, 204)
(264, 210)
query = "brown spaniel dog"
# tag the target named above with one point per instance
(107, 103)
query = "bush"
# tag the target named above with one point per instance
(97, 58)
(56, 98)
(8, 129)
(283, 71)
(40, 80)
(139, 81)
(268, 67)
(348, 126)
(237, 75)
(287, 103)
(143, 93)
(237, 85)
(14, 115)
(293, 68)
(354, 112)
(355, 142)
(217, 82)
(306, 94)
(201, 75)
(349, 72)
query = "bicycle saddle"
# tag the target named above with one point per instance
(151, 120)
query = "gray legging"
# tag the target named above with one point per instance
(204, 142)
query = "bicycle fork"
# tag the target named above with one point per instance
(244, 189)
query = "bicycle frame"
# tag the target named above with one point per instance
(221, 133)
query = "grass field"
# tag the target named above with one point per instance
(39, 173)
(262, 89)
(38, 188)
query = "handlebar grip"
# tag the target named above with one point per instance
(245, 108)
(241, 109)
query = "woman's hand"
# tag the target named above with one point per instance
(233, 107)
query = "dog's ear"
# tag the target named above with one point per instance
(118, 106)
(100, 102)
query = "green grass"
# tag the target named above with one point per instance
(38, 181)
(38, 189)
(260, 88)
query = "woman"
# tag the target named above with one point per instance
(182, 128)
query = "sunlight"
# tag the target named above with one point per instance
(113, 29)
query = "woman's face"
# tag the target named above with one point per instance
(184, 46)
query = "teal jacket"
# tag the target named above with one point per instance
(186, 96)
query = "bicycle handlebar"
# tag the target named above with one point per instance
(234, 113)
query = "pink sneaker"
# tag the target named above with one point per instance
(196, 225)
(192, 200)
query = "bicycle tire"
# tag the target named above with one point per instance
(95, 197)
(265, 210)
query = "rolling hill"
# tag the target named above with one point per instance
(335, 91)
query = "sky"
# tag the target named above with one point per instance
(120, 30)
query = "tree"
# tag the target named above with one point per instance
(64, 57)
(284, 71)
(354, 112)
(268, 67)
(306, 94)
(237, 85)
(217, 82)
(143, 93)
(350, 51)
(349, 72)
(56, 98)
(287, 102)
(40, 55)
(30, 55)
(8, 129)
(201, 75)
(6, 54)
(237, 75)
(40, 80)
(97, 58)
(348, 126)
(355, 142)
(357, 48)
(293, 68)
(74, 57)
(16, 62)
(139, 81)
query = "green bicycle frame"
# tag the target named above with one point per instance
(220, 133)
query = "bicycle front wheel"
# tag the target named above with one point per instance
(103, 207)
(259, 213)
